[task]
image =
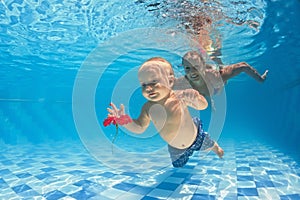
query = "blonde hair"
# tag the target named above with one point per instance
(167, 65)
(164, 67)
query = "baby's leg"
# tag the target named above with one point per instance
(209, 144)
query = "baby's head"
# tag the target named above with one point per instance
(154, 78)
(160, 67)
(167, 66)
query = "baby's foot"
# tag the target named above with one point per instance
(218, 150)
(264, 76)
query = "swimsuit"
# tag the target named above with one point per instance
(203, 141)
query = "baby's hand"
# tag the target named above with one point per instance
(193, 99)
(116, 116)
(115, 112)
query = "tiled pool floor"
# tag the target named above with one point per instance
(249, 170)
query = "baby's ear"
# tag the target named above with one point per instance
(171, 79)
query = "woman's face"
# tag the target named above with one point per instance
(193, 68)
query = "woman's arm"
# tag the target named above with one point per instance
(233, 70)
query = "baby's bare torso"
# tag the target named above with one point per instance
(173, 121)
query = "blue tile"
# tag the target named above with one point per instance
(29, 160)
(288, 160)
(24, 165)
(2, 181)
(83, 194)
(168, 186)
(247, 192)
(255, 164)
(7, 162)
(131, 174)
(189, 166)
(3, 184)
(76, 172)
(180, 175)
(48, 162)
(142, 190)
(274, 172)
(213, 172)
(88, 164)
(107, 174)
(42, 176)
(149, 198)
(48, 169)
(266, 183)
(263, 158)
(243, 169)
(290, 197)
(124, 186)
(203, 197)
(23, 175)
(21, 188)
(4, 172)
(69, 164)
(245, 178)
(83, 182)
(53, 195)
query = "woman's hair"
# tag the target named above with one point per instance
(192, 55)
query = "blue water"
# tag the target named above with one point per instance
(63, 62)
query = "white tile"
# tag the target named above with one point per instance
(112, 193)
(185, 189)
(268, 193)
(248, 198)
(130, 196)
(246, 184)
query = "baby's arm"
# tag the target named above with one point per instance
(235, 69)
(193, 99)
(138, 125)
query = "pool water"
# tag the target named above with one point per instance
(250, 169)
(62, 63)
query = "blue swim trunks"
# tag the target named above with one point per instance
(203, 141)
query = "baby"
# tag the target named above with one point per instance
(168, 110)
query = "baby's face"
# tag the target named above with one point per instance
(193, 68)
(155, 86)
